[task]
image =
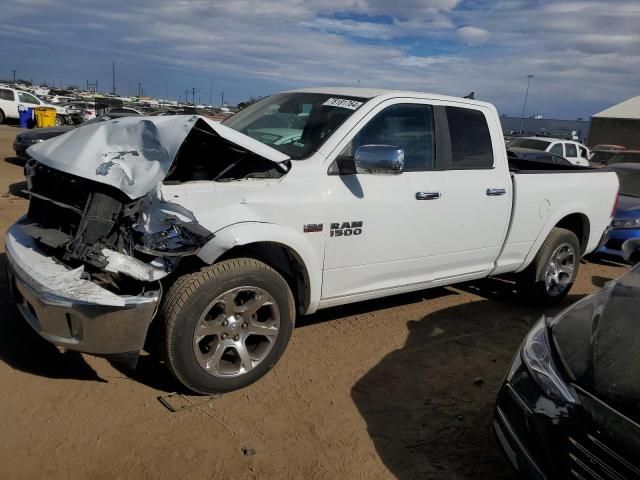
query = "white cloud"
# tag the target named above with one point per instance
(582, 53)
(472, 36)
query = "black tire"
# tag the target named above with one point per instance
(532, 282)
(1, 117)
(191, 297)
(59, 121)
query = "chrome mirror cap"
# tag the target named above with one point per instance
(379, 159)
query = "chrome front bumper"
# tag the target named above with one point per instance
(70, 311)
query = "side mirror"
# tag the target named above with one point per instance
(631, 251)
(379, 159)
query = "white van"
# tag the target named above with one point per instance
(11, 100)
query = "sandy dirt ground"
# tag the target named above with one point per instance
(396, 388)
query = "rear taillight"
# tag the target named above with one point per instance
(615, 205)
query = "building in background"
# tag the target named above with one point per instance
(569, 129)
(617, 125)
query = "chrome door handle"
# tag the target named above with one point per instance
(428, 195)
(494, 192)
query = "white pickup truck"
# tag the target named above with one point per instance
(197, 238)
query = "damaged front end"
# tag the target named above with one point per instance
(85, 262)
(84, 223)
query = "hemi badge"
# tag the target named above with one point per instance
(312, 227)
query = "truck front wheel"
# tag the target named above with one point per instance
(225, 326)
(553, 270)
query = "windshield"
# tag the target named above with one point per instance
(296, 124)
(624, 158)
(629, 182)
(531, 143)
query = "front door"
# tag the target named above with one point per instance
(379, 254)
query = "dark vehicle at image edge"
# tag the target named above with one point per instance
(569, 407)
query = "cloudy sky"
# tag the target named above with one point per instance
(585, 55)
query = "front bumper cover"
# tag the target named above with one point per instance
(70, 311)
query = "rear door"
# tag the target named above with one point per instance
(464, 226)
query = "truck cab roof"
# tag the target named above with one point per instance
(370, 93)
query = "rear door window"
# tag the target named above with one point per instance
(470, 139)
(571, 149)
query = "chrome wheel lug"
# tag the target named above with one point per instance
(225, 322)
(245, 325)
(224, 335)
(236, 338)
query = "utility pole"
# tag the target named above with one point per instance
(14, 76)
(221, 99)
(113, 77)
(139, 89)
(526, 95)
(210, 92)
(193, 95)
(186, 96)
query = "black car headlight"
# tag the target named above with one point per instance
(536, 355)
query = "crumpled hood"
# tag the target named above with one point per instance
(134, 154)
(598, 340)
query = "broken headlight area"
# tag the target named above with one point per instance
(178, 240)
(81, 222)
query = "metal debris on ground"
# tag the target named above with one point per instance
(248, 451)
(177, 402)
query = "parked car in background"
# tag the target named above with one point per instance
(626, 217)
(569, 407)
(27, 138)
(12, 100)
(575, 152)
(615, 157)
(530, 155)
(607, 147)
(81, 112)
(220, 238)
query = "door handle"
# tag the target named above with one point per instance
(428, 195)
(494, 192)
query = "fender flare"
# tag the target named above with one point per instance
(245, 233)
(571, 209)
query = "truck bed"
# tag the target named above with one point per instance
(556, 193)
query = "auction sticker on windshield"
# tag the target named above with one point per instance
(342, 103)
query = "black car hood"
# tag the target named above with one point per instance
(598, 342)
(45, 133)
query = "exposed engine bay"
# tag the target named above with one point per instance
(97, 221)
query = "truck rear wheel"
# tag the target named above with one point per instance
(226, 325)
(59, 121)
(554, 269)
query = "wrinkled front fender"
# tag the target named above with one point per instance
(246, 233)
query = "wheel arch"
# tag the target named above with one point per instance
(577, 223)
(574, 220)
(286, 251)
